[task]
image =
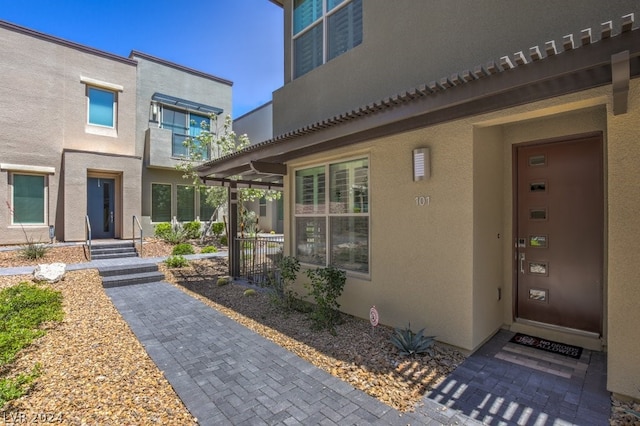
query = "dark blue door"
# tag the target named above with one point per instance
(100, 194)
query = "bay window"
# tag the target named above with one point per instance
(332, 221)
(322, 30)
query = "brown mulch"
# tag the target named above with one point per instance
(357, 354)
(96, 372)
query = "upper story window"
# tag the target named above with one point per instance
(184, 124)
(102, 107)
(322, 30)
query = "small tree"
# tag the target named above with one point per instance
(219, 140)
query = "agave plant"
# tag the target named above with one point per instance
(410, 343)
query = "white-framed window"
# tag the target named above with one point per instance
(160, 202)
(185, 124)
(322, 30)
(101, 107)
(28, 199)
(331, 215)
(186, 202)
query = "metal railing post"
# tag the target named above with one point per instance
(133, 230)
(87, 231)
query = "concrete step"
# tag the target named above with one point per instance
(113, 250)
(110, 271)
(112, 255)
(132, 279)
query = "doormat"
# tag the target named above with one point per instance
(547, 345)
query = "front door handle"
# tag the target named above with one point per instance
(522, 263)
(111, 217)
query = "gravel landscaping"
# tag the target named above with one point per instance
(94, 371)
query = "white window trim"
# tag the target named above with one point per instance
(28, 169)
(45, 200)
(101, 84)
(327, 215)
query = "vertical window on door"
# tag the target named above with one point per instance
(29, 204)
(101, 106)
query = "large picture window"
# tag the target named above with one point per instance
(322, 30)
(102, 107)
(28, 199)
(332, 218)
(186, 197)
(160, 202)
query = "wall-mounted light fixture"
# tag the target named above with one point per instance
(421, 164)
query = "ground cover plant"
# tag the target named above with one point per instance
(24, 308)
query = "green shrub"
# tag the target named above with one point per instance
(224, 241)
(325, 287)
(193, 229)
(208, 249)
(217, 229)
(410, 343)
(162, 230)
(249, 292)
(182, 249)
(177, 261)
(284, 297)
(222, 281)
(33, 250)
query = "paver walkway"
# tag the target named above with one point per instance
(504, 384)
(227, 374)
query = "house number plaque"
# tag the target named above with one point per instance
(422, 200)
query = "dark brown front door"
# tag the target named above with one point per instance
(559, 233)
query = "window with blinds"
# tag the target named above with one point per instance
(160, 202)
(185, 209)
(28, 199)
(323, 30)
(339, 236)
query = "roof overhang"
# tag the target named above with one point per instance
(185, 104)
(491, 87)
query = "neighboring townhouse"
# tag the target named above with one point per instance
(471, 165)
(67, 131)
(91, 139)
(257, 124)
(172, 103)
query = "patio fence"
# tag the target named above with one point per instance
(259, 257)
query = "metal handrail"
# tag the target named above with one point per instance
(133, 238)
(87, 230)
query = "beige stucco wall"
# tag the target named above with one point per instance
(126, 171)
(623, 152)
(44, 111)
(421, 256)
(440, 266)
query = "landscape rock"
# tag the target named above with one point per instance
(51, 273)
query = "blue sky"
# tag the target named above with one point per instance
(238, 40)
